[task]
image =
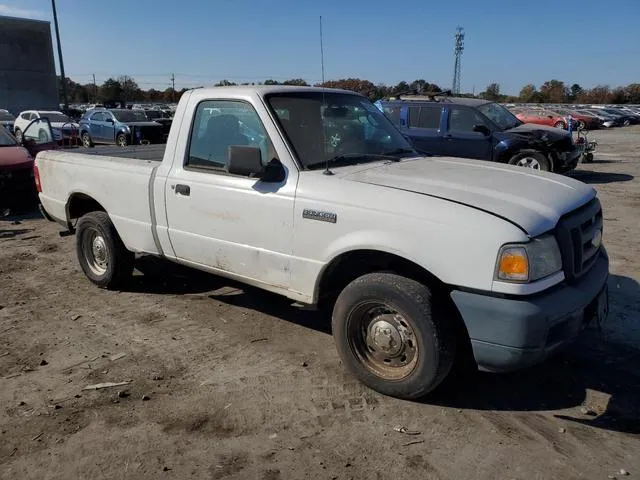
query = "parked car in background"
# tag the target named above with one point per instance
(606, 120)
(479, 129)
(7, 120)
(118, 126)
(543, 117)
(162, 118)
(627, 118)
(588, 122)
(63, 129)
(17, 186)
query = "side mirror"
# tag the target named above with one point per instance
(483, 129)
(245, 161)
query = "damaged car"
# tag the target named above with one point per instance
(17, 185)
(482, 130)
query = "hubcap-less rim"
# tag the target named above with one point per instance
(122, 141)
(85, 140)
(95, 251)
(529, 162)
(383, 340)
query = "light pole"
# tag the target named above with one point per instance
(64, 78)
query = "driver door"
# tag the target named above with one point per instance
(462, 139)
(230, 223)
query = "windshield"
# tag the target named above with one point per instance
(499, 115)
(322, 127)
(6, 140)
(55, 117)
(129, 115)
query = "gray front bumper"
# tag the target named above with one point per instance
(511, 333)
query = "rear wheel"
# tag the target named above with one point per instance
(561, 125)
(391, 336)
(531, 159)
(101, 253)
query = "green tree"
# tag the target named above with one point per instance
(574, 92)
(224, 83)
(633, 93)
(529, 94)
(296, 81)
(554, 91)
(111, 90)
(130, 90)
(492, 92)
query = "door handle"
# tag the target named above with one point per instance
(183, 190)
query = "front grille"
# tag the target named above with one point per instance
(576, 233)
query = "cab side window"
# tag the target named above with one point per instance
(219, 124)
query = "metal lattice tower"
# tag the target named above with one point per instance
(458, 56)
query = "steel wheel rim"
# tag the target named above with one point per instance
(529, 162)
(96, 253)
(383, 340)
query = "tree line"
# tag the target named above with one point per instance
(125, 89)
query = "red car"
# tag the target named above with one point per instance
(542, 117)
(584, 121)
(17, 185)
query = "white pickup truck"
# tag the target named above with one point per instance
(314, 194)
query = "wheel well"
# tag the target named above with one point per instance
(80, 204)
(350, 265)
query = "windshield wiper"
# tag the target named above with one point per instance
(354, 157)
(400, 151)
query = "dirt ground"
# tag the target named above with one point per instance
(230, 382)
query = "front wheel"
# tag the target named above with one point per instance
(121, 140)
(86, 140)
(391, 336)
(102, 255)
(18, 134)
(531, 159)
(561, 125)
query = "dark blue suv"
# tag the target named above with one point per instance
(479, 129)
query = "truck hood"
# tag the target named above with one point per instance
(532, 200)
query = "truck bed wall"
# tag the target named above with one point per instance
(120, 185)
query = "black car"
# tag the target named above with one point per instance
(160, 117)
(480, 129)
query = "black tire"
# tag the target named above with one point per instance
(18, 134)
(122, 140)
(86, 140)
(102, 255)
(426, 349)
(561, 125)
(588, 158)
(526, 158)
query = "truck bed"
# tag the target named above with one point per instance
(153, 152)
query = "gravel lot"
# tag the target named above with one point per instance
(231, 382)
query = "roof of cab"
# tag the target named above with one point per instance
(268, 89)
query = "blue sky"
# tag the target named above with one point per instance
(511, 42)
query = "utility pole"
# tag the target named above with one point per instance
(95, 89)
(173, 88)
(458, 59)
(64, 78)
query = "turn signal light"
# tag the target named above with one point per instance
(514, 264)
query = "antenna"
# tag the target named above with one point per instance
(324, 103)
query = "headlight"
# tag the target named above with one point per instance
(529, 262)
